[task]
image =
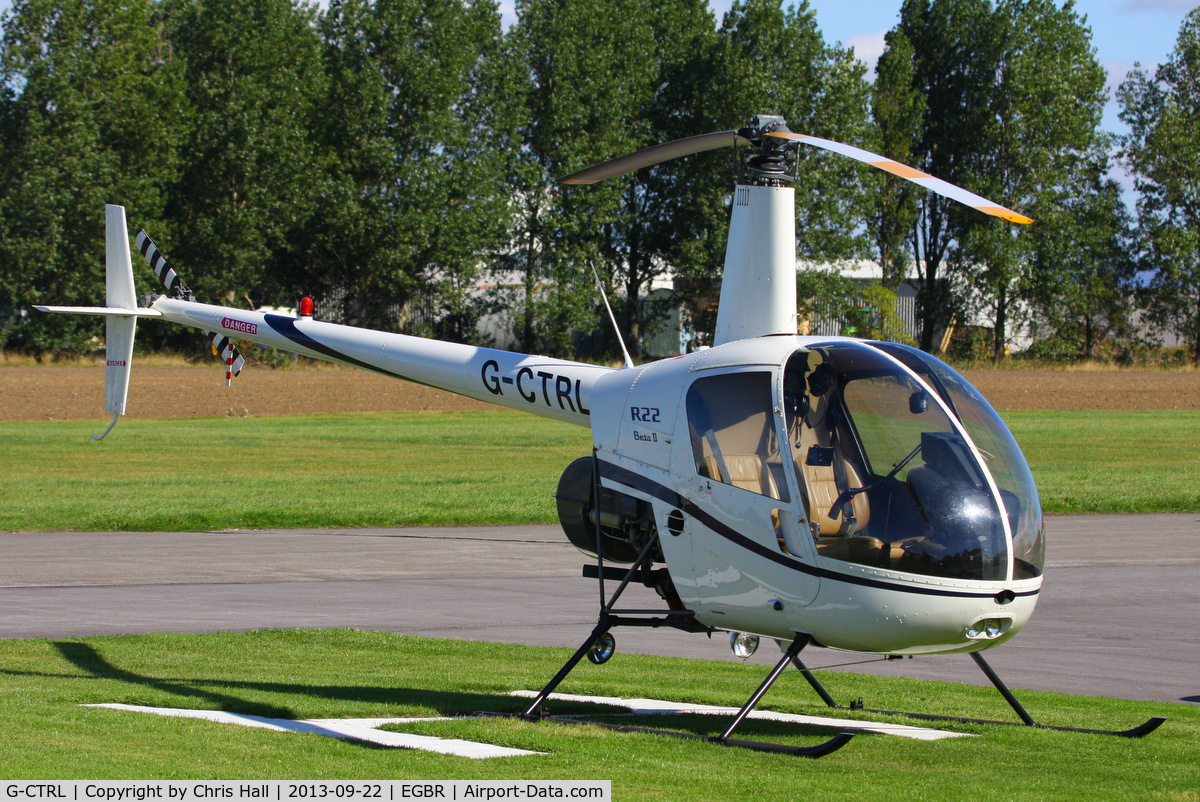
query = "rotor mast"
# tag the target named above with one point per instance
(758, 286)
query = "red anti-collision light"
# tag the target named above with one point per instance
(306, 307)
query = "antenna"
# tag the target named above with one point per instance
(611, 317)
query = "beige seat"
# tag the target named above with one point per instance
(823, 492)
(745, 471)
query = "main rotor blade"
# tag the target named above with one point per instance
(654, 154)
(939, 186)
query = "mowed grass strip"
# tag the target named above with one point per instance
(344, 674)
(464, 468)
(396, 469)
(1112, 462)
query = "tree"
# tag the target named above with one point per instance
(1082, 267)
(415, 137)
(1163, 115)
(1048, 101)
(955, 45)
(253, 78)
(90, 95)
(776, 61)
(773, 60)
(605, 82)
(897, 110)
(1012, 96)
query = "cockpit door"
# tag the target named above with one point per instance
(750, 541)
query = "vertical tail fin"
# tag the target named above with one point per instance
(118, 330)
(120, 313)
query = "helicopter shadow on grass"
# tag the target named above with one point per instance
(221, 694)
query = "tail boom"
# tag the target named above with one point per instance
(552, 388)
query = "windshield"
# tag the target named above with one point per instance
(1000, 452)
(889, 480)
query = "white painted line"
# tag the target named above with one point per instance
(660, 707)
(357, 729)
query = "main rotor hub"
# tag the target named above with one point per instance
(768, 166)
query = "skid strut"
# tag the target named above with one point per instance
(534, 711)
(598, 647)
(1147, 727)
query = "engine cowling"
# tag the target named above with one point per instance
(626, 524)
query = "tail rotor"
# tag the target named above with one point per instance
(222, 345)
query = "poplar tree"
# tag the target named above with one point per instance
(1080, 284)
(416, 132)
(606, 80)
(1012, 101)
(776, 61)
(252, 75)
(1038, 150)
(897, 111)
(1163, 114)
(88, 104)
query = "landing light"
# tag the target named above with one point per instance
(743, 644)
(602, 649)
(988, 628)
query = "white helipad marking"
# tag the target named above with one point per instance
(660, 707)
(357, 729)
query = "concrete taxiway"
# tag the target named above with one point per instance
(1116, 616)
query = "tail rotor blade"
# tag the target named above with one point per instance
(157, 263)
(224, 347)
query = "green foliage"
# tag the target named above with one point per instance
(1012, 96)
(253, 77)
(1163, 114)
(1082, 271)
(869, 312)
(90, 97)
(414, 133)
(608, 79)
(897, 110)
(389, 156)
(776, 61)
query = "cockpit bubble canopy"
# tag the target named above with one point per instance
(891, 478)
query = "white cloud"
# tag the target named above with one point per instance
(868, 47)
(1158, 5)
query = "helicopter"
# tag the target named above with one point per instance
(815, 491)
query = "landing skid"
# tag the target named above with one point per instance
(600, 645)
(607, 621)
(1140, 731)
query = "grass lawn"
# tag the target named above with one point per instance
(339, 673)
(1097, 462)
(416, 469)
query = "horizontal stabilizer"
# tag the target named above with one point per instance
(99, 311)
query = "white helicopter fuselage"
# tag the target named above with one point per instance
(743, 560)
(862, 494)
(743, 550)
